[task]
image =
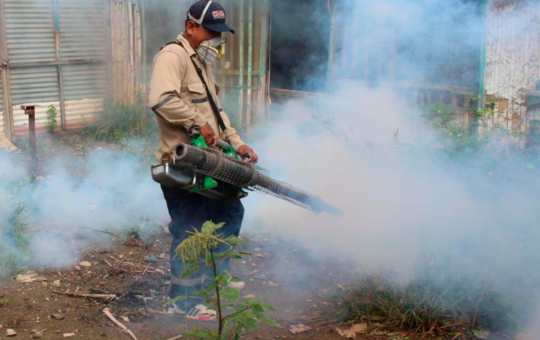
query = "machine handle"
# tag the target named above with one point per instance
(226, 146)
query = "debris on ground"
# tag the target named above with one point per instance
(351, 333)
(107, 297)
(68, 335)
(85, 264)
(300, 328)
(108, 313)
(5, 144)
(481, 334)
(176, 337)
(11, 332)
(359, 328)
(36, 334)
(346, 333)
(29, 277)
(58, 316)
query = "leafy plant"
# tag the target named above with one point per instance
(51, 119)
(199, 251)
(458, 139)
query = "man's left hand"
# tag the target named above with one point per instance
(247, 151)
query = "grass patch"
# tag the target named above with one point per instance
(433, 303)
(121, 122)
(14, 252)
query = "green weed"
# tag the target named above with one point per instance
(198, 253)
(51, 119)
(120, 122)
(434, 303)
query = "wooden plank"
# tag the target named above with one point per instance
(6, 86)
(435, 87)
(59, 73)
(108, 48)
(294, 93)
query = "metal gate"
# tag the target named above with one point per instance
(55, 53)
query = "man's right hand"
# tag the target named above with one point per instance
(209, 135)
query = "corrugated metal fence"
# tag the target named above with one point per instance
(57, 52)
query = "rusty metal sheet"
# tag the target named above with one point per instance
(82, 29)
(30, 30)
(85, 89)
(33, 85)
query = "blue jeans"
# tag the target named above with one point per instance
(188, 211)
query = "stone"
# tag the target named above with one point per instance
(36, 334)
(85, 264)
(11, 332)
(57, 316)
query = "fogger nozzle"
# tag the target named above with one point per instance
(213, 163)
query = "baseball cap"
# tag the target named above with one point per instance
(209, 14)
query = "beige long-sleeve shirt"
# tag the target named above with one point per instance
(178, 98)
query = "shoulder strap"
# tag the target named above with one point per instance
(210, 97)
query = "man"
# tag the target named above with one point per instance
(183, 95)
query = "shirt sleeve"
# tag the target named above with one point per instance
(164, 88)
(231, 134)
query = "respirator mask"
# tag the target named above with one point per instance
(211, 50)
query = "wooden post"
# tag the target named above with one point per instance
(6, 86)
(30, 111)
(61, 92)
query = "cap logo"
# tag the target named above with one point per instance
(218, 14)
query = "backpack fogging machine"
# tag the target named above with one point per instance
(220, 173)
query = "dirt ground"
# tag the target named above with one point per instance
(280, 275)
(139, 286)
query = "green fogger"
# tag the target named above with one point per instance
(220, 173)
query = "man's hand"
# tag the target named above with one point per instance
(252, 156)
(209, 135)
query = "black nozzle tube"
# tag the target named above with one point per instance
(187, 153)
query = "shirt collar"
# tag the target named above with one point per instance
(186, 44)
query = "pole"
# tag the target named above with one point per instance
(241, 63)
(250, 64)
(30, 111)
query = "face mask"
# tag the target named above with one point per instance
(211, 50)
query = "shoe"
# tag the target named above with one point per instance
(201, 313)
(174, 309)
(197, 313)
(237, 285)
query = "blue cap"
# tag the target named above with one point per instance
(209, 14)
